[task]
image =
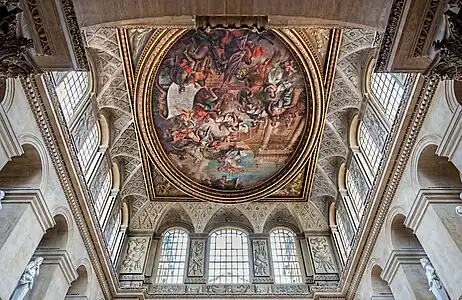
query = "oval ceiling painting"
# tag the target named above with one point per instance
(229, 108)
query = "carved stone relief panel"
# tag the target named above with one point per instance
(261, 265)
(135, 255)
(323, 257)
(196, 258)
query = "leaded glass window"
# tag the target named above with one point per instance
(89, 147)
(285, 259)
(114, 230)
(388, 90)
(103, 193)
(369, 147)
(229, 257)
(353, 192)
(172, 256)
(70, 91)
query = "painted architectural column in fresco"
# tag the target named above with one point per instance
(296, 135)
(434, 211)
(267, 135)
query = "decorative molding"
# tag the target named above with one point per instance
(424, 198)
(35, 198)
(34, 9)
(398, 257)
(451, 138)
(397, 168)
(14, 59)
(61, 258)
(261, 264)
(74, 32)
(135, 256)
(196, 258)
(425, 29)
(389, 36)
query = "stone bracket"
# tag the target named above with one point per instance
(424, 198)
(35, 198)
(398, 257)
(452, 135)
(8, 141)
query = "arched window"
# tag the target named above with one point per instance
(70, 90)
(229, 257)
(285, 259)
(114, 230)
(344, 236)
(89, 147)
(103, 194)
(172, 256)
(388, 90)
(369, 147)
(353, 192)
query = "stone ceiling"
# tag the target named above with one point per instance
(114, 102)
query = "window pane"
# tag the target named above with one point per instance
(229, 257)
(103, 194)
(70, 91)
(89, 147)
(388, 91)
(369, 147)
(114, 226)
(172, 256)
(285, 259)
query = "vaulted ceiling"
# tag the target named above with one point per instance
(113, 99)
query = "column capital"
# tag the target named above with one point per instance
(398, 257)
(58, 257)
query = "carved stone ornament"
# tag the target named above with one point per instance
(260, 258)
(448, 63)
(13, 56)
(434, 282)
(135, 255)
(196, 258)
(26, 281)
(322, 255)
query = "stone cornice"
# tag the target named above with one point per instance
(451, 137)
(426, 197)
(8, 140)
(61, 258)
(35, 198)
(398, 257)
(388, 188)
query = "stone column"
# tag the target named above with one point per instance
(24, 219)
(55, 277)
(435, 222)
(405, 275)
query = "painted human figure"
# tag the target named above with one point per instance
(27, 279)
(433, 280)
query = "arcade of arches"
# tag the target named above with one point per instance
(219, 149)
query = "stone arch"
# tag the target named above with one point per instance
(353, 140)
(436, 171)
(116, 176)
(332, 214)
(457, 88)
(125, 214)
(175, 216)
(7, 89)
(56, 237)
(281, 216)
(93, 62)
(104, 133)
(228, 216)
(342, 177)
(401, 236)
(26, 171)
(79, 287)
(379, 287)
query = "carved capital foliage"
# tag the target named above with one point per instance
(14, 60)
(448, 63)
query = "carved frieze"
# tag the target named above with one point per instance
(135, 255)
(196, 258)
(260, 258)
(323, 257)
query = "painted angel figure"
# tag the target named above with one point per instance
(27, 279)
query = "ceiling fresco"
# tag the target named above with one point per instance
(306, 196)
(229, 115)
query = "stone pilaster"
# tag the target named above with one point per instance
(405, 275)
(435, 222)
(24, 219)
